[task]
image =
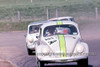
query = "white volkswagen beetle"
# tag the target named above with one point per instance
(60, 41)
(31, 37)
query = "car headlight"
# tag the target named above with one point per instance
(30, 40)
(80, 48)
(45, 50)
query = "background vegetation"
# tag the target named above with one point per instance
(36, 11)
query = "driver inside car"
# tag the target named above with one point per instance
(50, 31)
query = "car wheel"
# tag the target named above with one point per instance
(83, 63)
(30, 52)
(40, 64)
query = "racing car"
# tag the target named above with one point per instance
(31, 36)
(61, 42)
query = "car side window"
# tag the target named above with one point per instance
(33, 29)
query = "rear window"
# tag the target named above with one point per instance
(64, 19)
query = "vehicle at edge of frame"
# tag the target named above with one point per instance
(31, 36)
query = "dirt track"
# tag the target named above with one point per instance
(13, 48)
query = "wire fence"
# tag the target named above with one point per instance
(38, 14)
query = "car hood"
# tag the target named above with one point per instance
(60, 44)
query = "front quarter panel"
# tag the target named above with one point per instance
(85, 51)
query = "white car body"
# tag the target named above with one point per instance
(32, 37)
(60, 47)
(68, 18)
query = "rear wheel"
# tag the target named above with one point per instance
(83, 63)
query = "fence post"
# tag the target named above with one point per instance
(47, 13)
(31, 1)
(96, 11)
(56, 13)
(19, 16)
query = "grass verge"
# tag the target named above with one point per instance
(22, 26)
(12, 26)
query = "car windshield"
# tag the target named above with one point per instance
(34, 29)
(60, 30)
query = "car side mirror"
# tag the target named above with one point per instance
(25, 35)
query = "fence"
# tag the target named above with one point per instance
(38, 14)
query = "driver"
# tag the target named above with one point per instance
(50, 31)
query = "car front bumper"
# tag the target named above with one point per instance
(63, 59)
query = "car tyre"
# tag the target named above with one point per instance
(30, 52)
(40, 64)
(83, 63)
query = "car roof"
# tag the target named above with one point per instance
(50, 23)
(59, 18)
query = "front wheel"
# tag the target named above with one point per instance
(83, 63)
(40, 64)
(31, 52)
